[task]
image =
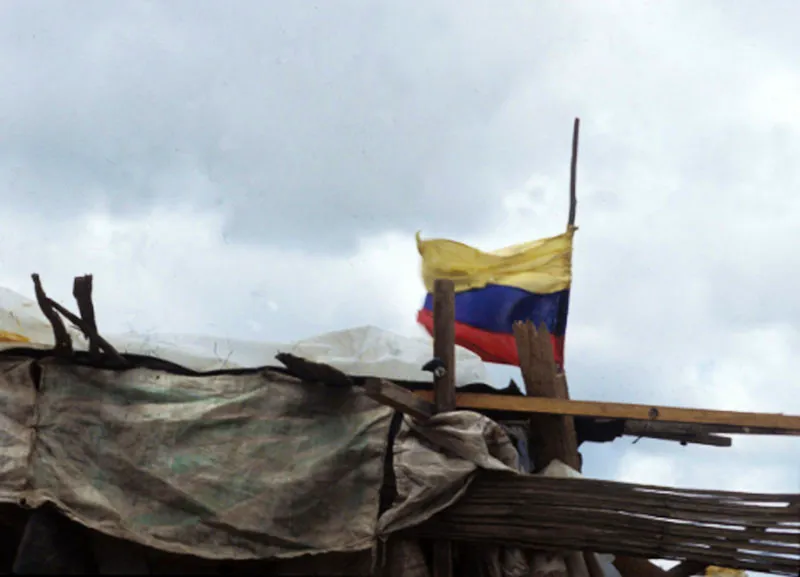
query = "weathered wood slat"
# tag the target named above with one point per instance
(739, 530)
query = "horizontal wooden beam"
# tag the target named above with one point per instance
(710, 440)
(764, 423)
(694, 434)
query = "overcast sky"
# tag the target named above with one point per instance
(258, 170)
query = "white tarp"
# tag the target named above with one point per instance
(362, 351)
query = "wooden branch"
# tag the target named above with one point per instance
(63, 342)
(403, 400)
(746, 423)
(573, 174)
(78, 322)
(82, 291)
(314, 372)
(444, 388)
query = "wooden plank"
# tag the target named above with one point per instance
(756, 423)
(552, 436)
(403, 400)
(398, 398)
(444, 388)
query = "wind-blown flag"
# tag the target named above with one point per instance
(526, 282)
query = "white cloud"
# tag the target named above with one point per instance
(171, 270)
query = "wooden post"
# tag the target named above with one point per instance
(444, 388)
(552, 436)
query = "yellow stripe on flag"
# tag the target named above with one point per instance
(542, 266)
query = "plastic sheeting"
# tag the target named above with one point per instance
(362, 351)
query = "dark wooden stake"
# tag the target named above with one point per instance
(82, 291)
(444, 388)
(63, 342)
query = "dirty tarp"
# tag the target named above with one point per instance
(228, 466)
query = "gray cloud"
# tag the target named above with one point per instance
(306, 123)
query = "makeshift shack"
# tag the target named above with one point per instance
(331, 456)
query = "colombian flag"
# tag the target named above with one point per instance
(526, 282)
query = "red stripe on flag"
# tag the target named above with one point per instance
(498, 348)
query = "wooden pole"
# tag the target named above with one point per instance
(444, 343)
(444, 388)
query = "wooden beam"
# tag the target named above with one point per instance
(755, 423)
(444, 388)
(709, 440)
(403, 400)
(399, 398)
(314, 372)
(643, 428)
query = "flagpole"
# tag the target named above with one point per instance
(573, 206)
(573, 173)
